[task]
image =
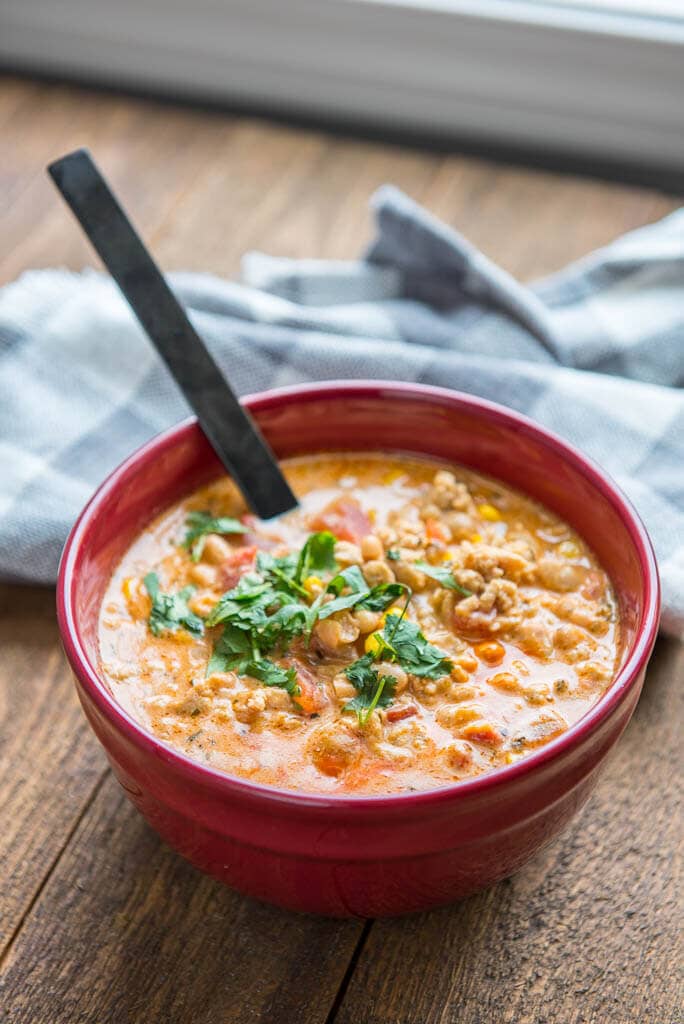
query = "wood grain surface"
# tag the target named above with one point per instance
(100, 923)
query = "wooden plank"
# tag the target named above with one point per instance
(204, 187)
(587, 933)
(128, 139)
(125, 930)
(49, 759)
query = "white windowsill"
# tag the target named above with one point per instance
(555, 77)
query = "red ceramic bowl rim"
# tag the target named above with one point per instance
(67, 584)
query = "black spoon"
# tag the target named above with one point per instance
(229, 429)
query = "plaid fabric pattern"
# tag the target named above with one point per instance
(596, 353)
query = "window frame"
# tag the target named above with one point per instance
(548, 79)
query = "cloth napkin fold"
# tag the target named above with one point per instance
(595, 353)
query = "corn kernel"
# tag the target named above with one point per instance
(392, 476)
(313, 585)
(372, 515)
(568, 549)
(488, 512)
(394, 610)
(180, 637)
(373, 645)
(475, 538)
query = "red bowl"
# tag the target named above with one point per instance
(370, 855)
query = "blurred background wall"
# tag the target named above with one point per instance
(599, 84)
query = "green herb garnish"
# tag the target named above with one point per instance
(360, 595)
(373, 689)
(444, 576)
(289, 572)
(393, 555)
(399, 641)
(402, 640)
(317, 555)
(265, 612)
(235, 651)
(201, 524)
(170, 612)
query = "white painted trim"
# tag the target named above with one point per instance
(512, 72)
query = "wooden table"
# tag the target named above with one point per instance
(99, 921)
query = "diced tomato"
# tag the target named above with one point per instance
(398, 714)
(482, 732)
(345, 518)
(236, 565)
(435, 531)
(310, 699)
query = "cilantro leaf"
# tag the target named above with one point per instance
(283, 626)
(374, 599)
(246, 603)
(444, 576)
(271, 674)
(170, 612)
(233, 653)
(414, 653)
(280, 573)
(349, 578)
(200, 524)
(317, 555)
(232, 647)
(383, 595)
(373, 688)
(288, 572)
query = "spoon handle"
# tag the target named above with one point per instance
(230, 431)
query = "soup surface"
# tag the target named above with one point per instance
(411, 624)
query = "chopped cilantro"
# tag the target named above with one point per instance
(444, 576)
(289, 572)
(280, 573)
(413, 652)
(170, 612)
(400, 641)
(270, 606)
(265, 612)
(383, 595)
(317, 555)
(246, 603)
(271, 674)
(235, 652)
(201, 524)
(360, 595)
(373, 688)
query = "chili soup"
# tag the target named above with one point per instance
(409, 625)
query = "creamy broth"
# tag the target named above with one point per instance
(477, 627)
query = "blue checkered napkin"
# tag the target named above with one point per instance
(596, 353)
